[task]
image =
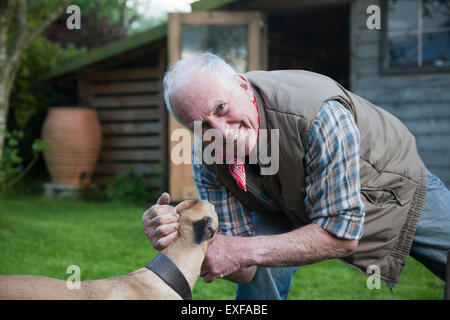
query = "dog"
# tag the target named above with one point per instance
(198, 225)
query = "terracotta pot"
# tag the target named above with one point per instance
(76, 137)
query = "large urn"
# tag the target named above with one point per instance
(75, 137)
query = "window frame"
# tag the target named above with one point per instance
(257, 60)
(384, 51)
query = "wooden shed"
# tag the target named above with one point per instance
(123, 81)
(403, 67)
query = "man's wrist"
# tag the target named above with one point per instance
(249, 251)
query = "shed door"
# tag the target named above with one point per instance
(236, 37)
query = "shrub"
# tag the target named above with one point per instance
(132, 186)
(12, 168)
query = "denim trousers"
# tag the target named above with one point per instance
(430, 245)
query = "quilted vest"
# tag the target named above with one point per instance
(392, 175)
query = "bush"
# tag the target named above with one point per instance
(132, 186)
(12, 167)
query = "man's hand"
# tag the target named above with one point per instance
(161, 223)
(223, 258)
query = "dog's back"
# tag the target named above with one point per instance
(33, 287)
(141, 284)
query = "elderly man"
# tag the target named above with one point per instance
(350, 183)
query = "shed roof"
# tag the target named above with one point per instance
(125, 44)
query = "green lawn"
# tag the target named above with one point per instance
(43, 237)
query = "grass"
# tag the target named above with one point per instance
(43, 237)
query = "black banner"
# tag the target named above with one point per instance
(212, 309)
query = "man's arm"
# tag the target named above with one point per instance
(236, 258)
(332, 180)
(307, 245)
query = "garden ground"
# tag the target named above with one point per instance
(105, 239)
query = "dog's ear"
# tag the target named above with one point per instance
(203, 229)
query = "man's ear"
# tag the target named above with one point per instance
(203, 230)
(244, 84)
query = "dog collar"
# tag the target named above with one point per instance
(170, 274)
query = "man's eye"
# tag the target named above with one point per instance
(220, 107)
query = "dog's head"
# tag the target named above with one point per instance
(198, 221)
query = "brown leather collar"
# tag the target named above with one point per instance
(170, 274)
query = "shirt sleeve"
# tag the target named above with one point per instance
(234, 219)
(333, 199)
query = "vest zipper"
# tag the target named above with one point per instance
(366, 191)
(390, 285)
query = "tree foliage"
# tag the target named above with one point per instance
(31, 96)
(102, 21)
(18, 30)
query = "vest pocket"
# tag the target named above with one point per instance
(381, 196)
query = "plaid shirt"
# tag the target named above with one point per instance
(333, 199)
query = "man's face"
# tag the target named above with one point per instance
(231, 112)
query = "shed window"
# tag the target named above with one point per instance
(418, 35)
(228, 42)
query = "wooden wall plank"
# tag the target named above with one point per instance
(125, 87)
(433, 143)
(435, 158)
(125, 101)
(411, 111)
(149, 114)
(111, 180)
(410, 94)
(426, 81)
(431, 127)
(132, 128)
(115, 168)
(364, 67)
(123, 74)
(368, 50)
(131, 142)
(130, 155)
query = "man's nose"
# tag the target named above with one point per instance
(221, 126)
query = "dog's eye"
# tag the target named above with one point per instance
(203, 230)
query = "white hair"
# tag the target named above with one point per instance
(180, 73)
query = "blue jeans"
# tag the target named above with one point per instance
(430, 245)
(432, 239)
